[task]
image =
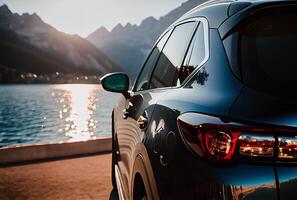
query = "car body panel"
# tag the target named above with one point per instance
(256, 106)
(233, 20)
(287, 177)
(215, 14)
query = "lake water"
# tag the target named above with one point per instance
(31, 114)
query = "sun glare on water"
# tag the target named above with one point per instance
(77, 108)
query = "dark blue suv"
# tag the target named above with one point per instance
(213, 112)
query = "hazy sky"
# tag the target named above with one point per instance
(84, 16)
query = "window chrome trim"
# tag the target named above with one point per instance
(196, 23)
(206, 47)
(205, 23)
(169, 30)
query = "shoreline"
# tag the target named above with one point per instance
(24, 154)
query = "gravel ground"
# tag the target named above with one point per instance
(78, 178)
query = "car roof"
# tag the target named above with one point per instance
(217, 11)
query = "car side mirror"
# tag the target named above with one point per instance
(116, 82)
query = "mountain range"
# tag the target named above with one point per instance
(129, 45)
(28, 44)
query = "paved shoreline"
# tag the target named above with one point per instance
(60, 150)
(76, 178)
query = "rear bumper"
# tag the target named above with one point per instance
(204, 181)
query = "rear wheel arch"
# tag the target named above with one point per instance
(142, 174)
(140, 183)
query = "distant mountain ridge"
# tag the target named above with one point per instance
(129, 45)
(28, 44)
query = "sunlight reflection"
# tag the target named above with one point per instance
(78, 105)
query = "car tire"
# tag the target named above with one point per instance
(113, 163)
(114, 195)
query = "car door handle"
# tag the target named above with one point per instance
(125, 113)
(142, 121)
(127, 110)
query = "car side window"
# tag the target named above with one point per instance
(144, 78)
(172, 56)
(195, 55)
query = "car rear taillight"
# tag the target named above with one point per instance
(287, 147)
(220, 140)
(287, 144)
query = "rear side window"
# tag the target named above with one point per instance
(196, 54)
(172, 56)
(267, 50)
(144, 78)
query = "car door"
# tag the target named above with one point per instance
(128, 130)
(133, 114)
